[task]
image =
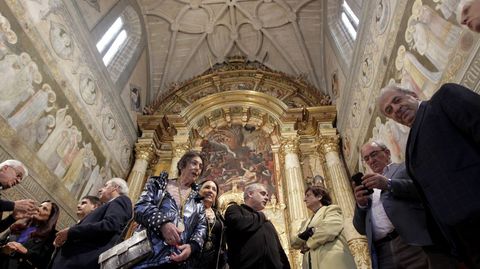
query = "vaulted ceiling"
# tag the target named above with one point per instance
(187, 37)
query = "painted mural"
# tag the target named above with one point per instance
(38, 108)
(427, 55)
(237, 156)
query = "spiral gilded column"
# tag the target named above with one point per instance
(339, 184)
(144, 154)
(295, 187)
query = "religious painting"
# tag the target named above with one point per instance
(237, 156)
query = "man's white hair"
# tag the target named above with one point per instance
(16, 164)
(395, 88)
(251, 188)
(121, 184)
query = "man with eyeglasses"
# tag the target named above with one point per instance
(13, 172)
(392, 217)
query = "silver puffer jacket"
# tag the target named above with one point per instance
(155, 207)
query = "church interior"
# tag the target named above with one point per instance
(281, 92)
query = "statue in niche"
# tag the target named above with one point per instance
(135, 99)
(88, 89)
(61, 41)
(335, 85)
(125, 156)
(17, 74)
(29, 121)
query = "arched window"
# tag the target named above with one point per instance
(349, 20)
(343, 22)
(119, 43)
(112, 41)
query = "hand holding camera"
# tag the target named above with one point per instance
(307, 233)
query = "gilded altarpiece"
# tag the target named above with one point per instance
(253, 125)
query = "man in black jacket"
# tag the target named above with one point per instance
(252, 239)
(13, 172)
(81, 244)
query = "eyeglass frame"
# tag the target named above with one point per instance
(371, 155)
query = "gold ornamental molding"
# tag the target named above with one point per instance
(238, 74)
(145, 150)
(329, 144)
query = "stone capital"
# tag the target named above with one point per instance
(290, 145)
(145, 150)
(329, 144)
(179, 149)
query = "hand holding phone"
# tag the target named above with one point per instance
(357, 178)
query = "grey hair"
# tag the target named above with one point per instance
(251, 188)
(121, 184)
(395, 88)
(15, 163)
(379, 144)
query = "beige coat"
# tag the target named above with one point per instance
(328, 247)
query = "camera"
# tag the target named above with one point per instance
(357, 178)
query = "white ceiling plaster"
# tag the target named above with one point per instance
(187, 37)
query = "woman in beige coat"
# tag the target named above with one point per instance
(320, 238)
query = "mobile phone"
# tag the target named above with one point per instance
(357, 178)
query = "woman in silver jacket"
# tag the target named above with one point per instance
(173, 215)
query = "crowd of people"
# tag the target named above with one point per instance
(423, 213)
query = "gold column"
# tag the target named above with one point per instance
(144, 154)
(178, 150)
(294, 183)
(342, 191)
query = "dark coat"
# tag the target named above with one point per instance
(403, 207)
(252, 240)
(6, 205)
(215, 257)
(38, 256)
(443, 157)
(96, 233)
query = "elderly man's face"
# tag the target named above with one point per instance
(375, 157)
(10, 176)
(105, 194)
(471, 16)
(258, 198)
(399, 106)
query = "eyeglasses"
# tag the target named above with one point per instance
(372, 154)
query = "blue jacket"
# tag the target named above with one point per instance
(156, 206)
